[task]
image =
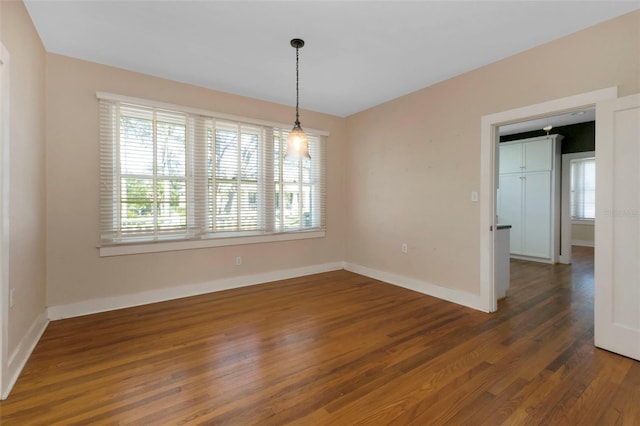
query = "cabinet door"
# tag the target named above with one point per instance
(510, 158)
(537, 214)
(538, 155)
(510, 209)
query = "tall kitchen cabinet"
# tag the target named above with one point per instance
(529, 196)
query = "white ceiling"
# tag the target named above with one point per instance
(357, 54)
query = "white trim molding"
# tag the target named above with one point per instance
(583, 243)
(23, 350)
(4, 220)
(93, 306)
(451, 295)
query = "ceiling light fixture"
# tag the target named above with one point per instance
(297, 141)
(547, 129)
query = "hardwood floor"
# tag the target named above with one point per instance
(336, 349)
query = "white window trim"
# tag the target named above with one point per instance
(157, 247)
(566, 221)
(228, 239)
(583, 222)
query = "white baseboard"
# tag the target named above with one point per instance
(93, 306)
(531, 259)
(19, 357)
(583, 243)
(456, 296)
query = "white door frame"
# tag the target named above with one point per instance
(488, 170)
(4, 218)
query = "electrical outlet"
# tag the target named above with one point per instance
(238, 260)
(405, 248)
(12, 297)
(474, 197)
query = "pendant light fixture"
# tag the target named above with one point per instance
(297, 141)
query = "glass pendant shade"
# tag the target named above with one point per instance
(297, 144)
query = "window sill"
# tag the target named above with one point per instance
(583, 222)
(156, 247)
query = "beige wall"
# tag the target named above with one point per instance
(26, 170)
(414, 161)
(416, 156)
(582, 234)
(75, 271)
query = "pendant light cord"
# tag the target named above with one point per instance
(297, 89)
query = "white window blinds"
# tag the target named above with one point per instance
(583, 189)
(179, 175)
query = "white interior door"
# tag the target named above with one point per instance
(617, 233)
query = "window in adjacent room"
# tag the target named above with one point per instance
(583, 189)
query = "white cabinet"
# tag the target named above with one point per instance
(528, 155)
(528, 192)
(510, 209)
(536, 217)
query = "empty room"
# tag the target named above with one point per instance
(319, 212)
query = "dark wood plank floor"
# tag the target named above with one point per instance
(336, 349)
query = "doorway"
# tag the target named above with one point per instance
(488, 172)
(572, 171)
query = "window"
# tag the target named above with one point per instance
(583, 189)
(169, 175)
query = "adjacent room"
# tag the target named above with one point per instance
(319, 213)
